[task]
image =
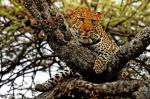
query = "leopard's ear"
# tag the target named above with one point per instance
(69, 12)
(99, 15)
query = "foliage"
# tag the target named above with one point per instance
(24, 50)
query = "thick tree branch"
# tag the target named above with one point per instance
(127, 52)
(77, 89)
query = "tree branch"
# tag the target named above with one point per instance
(77, 89)
(127, 52)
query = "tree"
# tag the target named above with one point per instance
(28, 27)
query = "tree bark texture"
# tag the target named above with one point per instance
(79, 89)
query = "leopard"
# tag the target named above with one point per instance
(86, 22)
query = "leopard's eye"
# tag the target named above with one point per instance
(82, 19)
(93, 21)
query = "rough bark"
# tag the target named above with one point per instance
(65, 44)
(127, 52)
(76, 89)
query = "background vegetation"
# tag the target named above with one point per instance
(24, 51)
